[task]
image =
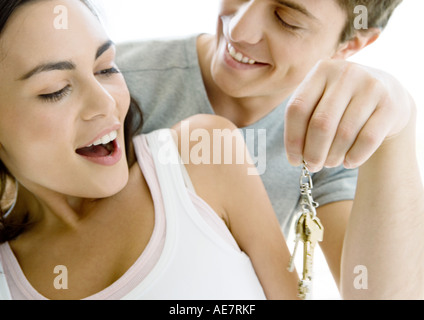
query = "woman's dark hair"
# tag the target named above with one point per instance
(9, 227)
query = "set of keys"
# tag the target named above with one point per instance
(309, 231)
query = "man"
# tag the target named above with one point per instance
(281, 66)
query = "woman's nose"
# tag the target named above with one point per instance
(246, 25)
(99, 102)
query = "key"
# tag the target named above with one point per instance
(313, 233)
(296, 244)
(309, 230)
(299, 237)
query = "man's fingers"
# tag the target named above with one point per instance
(323, 126)
(339, 114)
(369, 139)
(360, 109)
(299, 110)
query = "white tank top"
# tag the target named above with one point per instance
(196, 262)
(4, 289)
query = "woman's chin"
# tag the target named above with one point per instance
(104, 188)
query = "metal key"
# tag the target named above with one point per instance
(299, 237)
(309, 230)
(313, 233)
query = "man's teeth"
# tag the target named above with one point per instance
(106, 139)
(239, 56)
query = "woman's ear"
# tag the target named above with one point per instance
(357, 43)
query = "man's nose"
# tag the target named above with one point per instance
(246, 25)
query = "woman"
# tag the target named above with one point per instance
(110, 214)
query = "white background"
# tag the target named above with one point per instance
(399, 51)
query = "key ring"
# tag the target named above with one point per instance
(307, 202)
(308, 185)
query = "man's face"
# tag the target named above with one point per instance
(265, 48)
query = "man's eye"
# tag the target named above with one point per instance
(108, 72)
(285, 24)
(56, 96)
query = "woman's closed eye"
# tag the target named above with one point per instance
(56, 96)
(60, 94)
(108, 72)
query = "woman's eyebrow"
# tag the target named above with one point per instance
(62, 65)
(44, 67)
(104, 47)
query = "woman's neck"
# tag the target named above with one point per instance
(48, 209)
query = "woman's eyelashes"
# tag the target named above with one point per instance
(108, 72)
(56, 96)
(62, 93)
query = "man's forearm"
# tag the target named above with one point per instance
(384, 243)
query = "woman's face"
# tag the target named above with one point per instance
(60, 93)
(266, 47)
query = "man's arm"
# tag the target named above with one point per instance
(351, 114)
(334, 217)
(386, 228)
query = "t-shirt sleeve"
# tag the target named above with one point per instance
(335, 184)
(164, 77)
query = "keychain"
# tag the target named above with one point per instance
(309, 230)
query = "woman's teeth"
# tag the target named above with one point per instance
(105, 139)
(239, 56)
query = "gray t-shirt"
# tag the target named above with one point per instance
(165, 78)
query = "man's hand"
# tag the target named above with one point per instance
(341, 113)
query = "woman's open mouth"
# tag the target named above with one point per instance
(105, 151)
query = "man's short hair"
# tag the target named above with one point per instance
(379, 13)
